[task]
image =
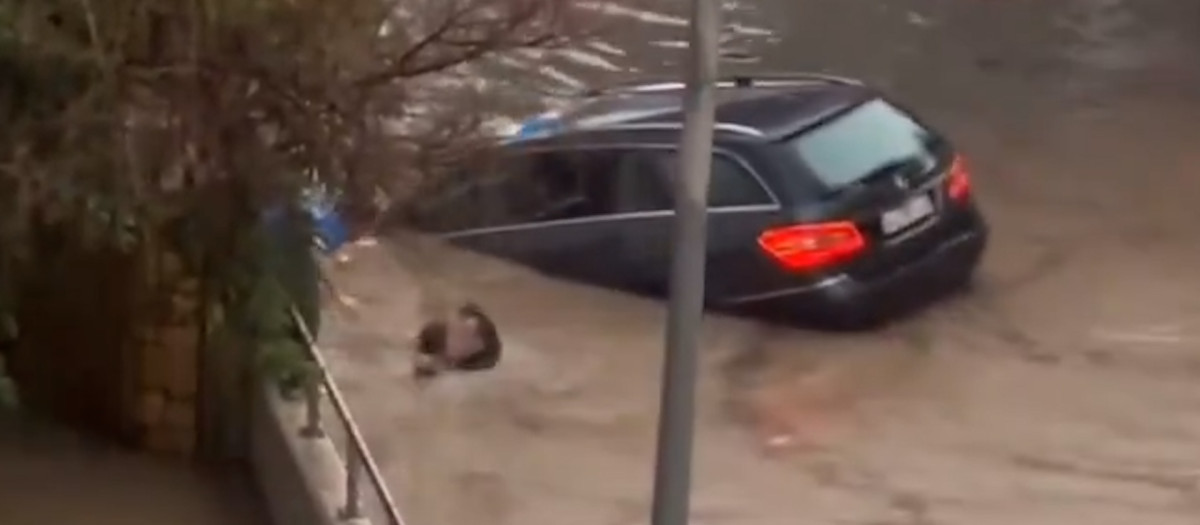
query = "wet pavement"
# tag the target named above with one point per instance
(1062, 389)
(51, 475)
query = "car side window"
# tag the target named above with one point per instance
(638, 185)
(537, 187)
(731, 184)
(557, 185)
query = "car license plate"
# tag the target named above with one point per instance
(912, 211)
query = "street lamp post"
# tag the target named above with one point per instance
(673, 464)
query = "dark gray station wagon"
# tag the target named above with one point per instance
(828, 201)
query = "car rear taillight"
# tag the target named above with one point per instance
(807, 247)
(958, 183)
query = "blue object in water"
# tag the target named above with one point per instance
(331, 232)
(539, 127)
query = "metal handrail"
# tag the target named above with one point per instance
(358, 458)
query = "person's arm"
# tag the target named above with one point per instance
(328, 285)
(430, 344)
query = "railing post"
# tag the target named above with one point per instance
(317, 384)
(354, 469)
(312, 408)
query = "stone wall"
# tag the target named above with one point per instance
(167, 351)
(112, 343)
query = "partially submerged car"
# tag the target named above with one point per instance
(828, 201)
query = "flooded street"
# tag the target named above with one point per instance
(1063, 389)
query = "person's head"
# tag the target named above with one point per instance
(478, 346)
(462, 337)
(466, 340)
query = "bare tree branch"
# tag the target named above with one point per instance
(159, 99)
(473, 29)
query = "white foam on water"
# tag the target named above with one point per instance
(586, 58)
(1161, 334)
(641, 15)
(604, 47)
(746, 30)
(561, 77)
(670, 44)
(572, 67)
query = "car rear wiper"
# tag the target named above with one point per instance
(903, 164)
(851, 187)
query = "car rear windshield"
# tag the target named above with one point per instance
(874, 138)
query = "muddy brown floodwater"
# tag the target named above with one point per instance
(1063, 389)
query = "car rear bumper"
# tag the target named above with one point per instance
(846, 300)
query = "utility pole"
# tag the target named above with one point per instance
(676, 423)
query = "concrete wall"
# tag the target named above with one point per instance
(302, 479)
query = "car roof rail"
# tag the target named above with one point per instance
(788, 78)
(736, 129)
(650, 85)
(640, 85)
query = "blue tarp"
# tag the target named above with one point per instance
(539, 126)
(329, 228)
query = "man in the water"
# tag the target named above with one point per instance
(466, 341)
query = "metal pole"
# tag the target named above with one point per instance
(354, 465)
(673, 465)
(312, 408)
